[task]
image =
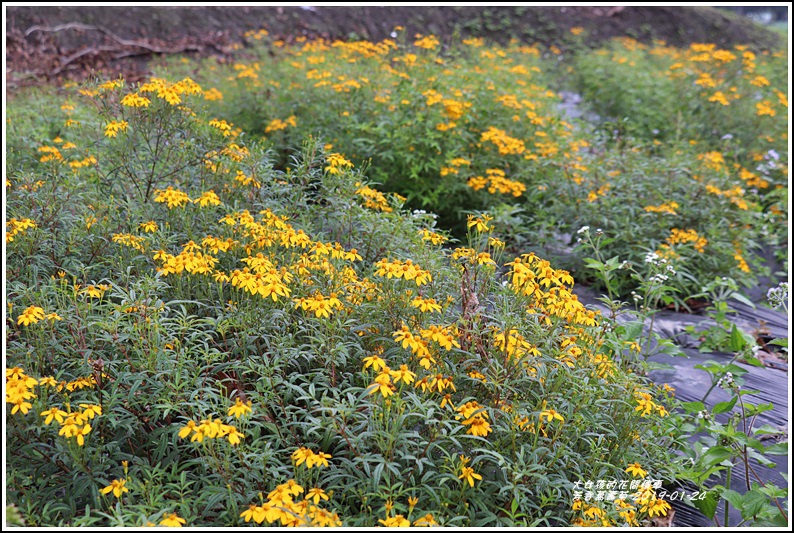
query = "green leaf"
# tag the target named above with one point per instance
(732, 497)
(781, 448)
(739, 297)
(693, 407)
(737, 341)
(753, 503)
(724, 407)
(714, 455)
(707, 505)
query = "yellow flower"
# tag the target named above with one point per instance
(426, 305)
(426, 521)
(403, 374)
(31, 315)
(656, 507)
(468, 474)
(239, 408)
(117, 486)
(188, 429)
(480, 223)
(383, 384)
(478, 427)
(172, 520)
(135, 100)
(636, 470)
(317, 494)
(396, 521)
(375, 362)
(148, 227)
(113, 128)
(234, 436)
(551, 415)
(412, 501)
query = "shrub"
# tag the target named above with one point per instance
(293, 346)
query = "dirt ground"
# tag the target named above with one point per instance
(46, 44)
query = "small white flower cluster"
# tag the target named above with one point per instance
(651, 257)
(778, 296)
(658, 278)
(583, 229)
(726, 382)
(704, 415)
(636, 296)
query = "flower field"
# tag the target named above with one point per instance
(322, 286)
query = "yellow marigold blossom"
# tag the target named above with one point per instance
(148, 227)
(172, 520)
(117, 487)
(221, 125)
(426, 304)
(52, 153)
(468, 474)
(31, 315)
(480, 223)
(213, 94)
(135, 100)
(759, 81)
(474, 416)
(239, 408)
(504, 143)
(73, 427)
(429, 42)
(374, 199)
(656, 506)
(636, 470)
(278, 124)
(208, 198)
(403, 269)
(678, 236)
(668, 208)
(112, 84)
(113, 128)
(403, 374)
(255, 513)
(434, 238)
(425, 521)
(719, 97)
(188, 429)
(551, 415)
(593, 512)
(132, 241)
(765, 108)
(95, 291)
(233, 435)
(396, 521)
(320, 305)
(48, 381)
(742, 263)
(383, 384)
(311, 459)
(90, 411)
(316, 494)
(17, 226)
(375, 362)
(171, 197)
(443, 335)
